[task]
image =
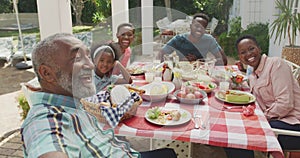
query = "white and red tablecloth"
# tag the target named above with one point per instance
(224, 128)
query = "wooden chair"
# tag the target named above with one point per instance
(165, 33)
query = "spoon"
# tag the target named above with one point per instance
(196, 117)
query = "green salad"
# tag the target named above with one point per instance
(153, 113)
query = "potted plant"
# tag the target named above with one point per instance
(287, 24)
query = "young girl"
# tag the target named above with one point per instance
(104, 58)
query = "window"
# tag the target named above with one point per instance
(254, 11)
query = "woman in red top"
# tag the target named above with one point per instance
(125, 35)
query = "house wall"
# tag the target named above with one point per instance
(258, 11)
(120, 14)
(54, 17)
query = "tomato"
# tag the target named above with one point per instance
(196, 84)
(239, 79)
(169, 117)
(199, 85)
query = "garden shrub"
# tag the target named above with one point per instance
(23, 105)
(258, 30)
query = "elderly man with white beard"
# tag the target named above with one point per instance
(57, 125)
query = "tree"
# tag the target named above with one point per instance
(6, 6)
(77, 6)
(27, 6)
(220, 10)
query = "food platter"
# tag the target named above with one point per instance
(221, 96)
(163, 120)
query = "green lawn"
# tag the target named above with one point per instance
(15, 34)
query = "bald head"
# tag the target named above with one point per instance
(46, 51)
(61, 59)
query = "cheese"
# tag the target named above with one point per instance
(237, 98)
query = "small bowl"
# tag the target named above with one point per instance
(205, 84)
(157, 97)
(191, 101)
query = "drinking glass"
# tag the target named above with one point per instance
(224, 86)
(149, 76)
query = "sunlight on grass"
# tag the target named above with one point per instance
(15, 34)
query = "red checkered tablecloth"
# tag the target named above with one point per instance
(223, 128)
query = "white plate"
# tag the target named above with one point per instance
(185, 117)
(221, 75)
(158, 97)
(187, 76)
(218, 95)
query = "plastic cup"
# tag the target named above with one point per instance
(224, 86)
(149, 76)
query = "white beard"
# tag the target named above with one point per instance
(75, 86)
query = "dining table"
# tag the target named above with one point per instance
(220, 125)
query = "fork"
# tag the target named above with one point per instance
(232, 107)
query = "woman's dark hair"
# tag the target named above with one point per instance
(246, 37)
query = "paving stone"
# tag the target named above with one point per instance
(18, 153)
(16, 139)
(6, 152)
(139, 144)
(10, 145)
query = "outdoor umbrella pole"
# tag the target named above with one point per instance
(19, 28)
